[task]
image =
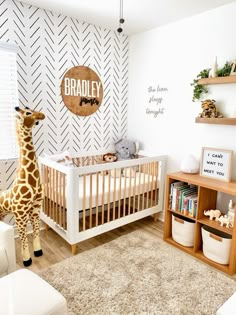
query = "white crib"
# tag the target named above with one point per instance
(89, 197)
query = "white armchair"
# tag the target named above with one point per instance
(7, 249)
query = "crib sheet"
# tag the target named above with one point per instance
(119, 188)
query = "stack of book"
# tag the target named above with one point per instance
(183, 198)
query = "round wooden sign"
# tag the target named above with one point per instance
(82, 90)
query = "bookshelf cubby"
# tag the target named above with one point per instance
(207, 197)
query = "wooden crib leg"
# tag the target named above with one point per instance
(47, 227)
(155, 217)
(73, 249)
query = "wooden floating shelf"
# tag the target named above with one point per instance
(218, 80)
(217, 121)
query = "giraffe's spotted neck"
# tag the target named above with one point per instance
(26, 145)
(28, 170)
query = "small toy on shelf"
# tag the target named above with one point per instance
(212, 214)
(231, 211)
(209, 110)
(225, 220)
(213, 71)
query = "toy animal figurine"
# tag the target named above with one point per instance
(25, 197)
(209, 110)
(225, 220)
(213, 71)
(212, 214)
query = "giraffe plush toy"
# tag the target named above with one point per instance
(24, 198)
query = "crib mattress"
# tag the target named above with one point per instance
(111, 190)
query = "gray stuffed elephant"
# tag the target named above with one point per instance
(125, 149)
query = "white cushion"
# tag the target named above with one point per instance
(24, 292)
(7, 242)
(3, 262)
(229, 307)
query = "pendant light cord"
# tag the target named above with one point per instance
(121, 19)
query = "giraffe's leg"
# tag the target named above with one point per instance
(21, 222)
(35, 221)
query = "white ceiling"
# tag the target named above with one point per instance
(139, 15)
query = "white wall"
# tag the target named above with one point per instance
(171, 56)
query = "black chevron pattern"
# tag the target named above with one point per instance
(49, 44)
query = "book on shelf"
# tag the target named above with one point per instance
(183, 198)
(173, 191)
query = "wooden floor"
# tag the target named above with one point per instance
(55, 249)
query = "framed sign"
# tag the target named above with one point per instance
(216, 163)
(82, 90)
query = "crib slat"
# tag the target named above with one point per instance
(50, 193)
(64, 200)
(148, 185)
(114, 196)
(103, 193)
(90, 201)
(97, 191)
(156, 183)
(119, 195)
(54, 195)
(46, 184)
(60, 199)
(108, 196)
(139, 184)
(84, 202)
(130, 174)
(152, 172)
(124, 204)
(134, 191)
(143, 185)
(57, 192)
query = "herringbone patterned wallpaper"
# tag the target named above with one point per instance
(49, 44)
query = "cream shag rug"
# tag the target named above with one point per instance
(139, 273)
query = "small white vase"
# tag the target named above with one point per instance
(190, 165)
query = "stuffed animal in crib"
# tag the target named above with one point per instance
(212, 214)
(125, 149)
(225, 220)
(109, 157)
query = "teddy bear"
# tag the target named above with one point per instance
(209, 110)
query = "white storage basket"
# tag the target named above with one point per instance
(216, 245)
(183, 230)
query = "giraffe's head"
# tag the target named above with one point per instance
(28, 118)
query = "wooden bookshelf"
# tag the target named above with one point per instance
(207, 197)
(216, 121)
(218, 80)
